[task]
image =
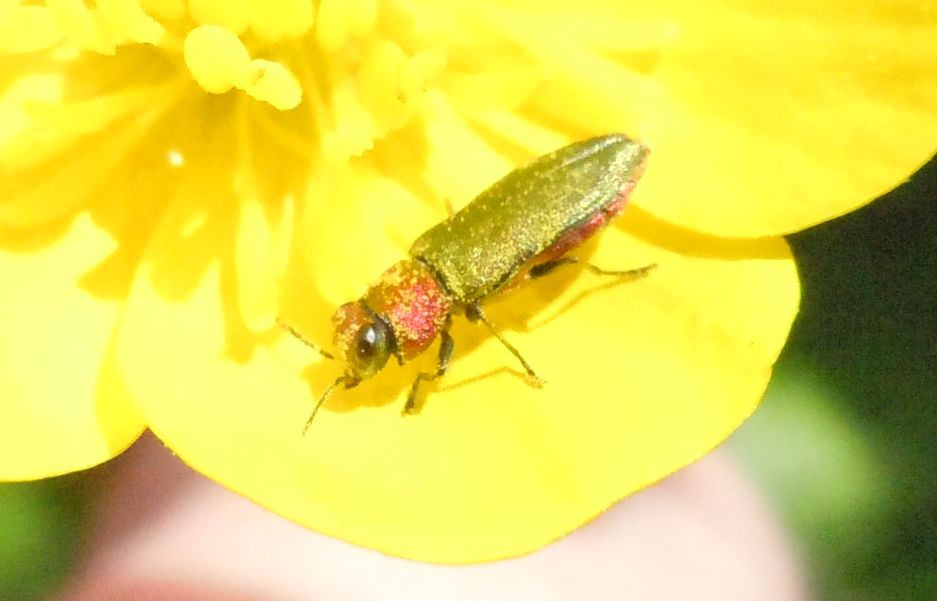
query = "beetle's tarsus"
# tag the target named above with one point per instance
(409, 408)
(627, 274)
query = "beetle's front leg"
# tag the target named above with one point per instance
(442, 365)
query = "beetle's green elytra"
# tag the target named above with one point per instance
(522, 227)
(482, 247)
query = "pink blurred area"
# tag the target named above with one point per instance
(163, 532)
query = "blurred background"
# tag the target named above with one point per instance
(845, 444)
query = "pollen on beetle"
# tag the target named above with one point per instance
(412, 300)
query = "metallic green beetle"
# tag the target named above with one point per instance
(520, 228)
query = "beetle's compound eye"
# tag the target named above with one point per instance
(371, 349)
(361, 339)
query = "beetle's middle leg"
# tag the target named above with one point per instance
(442, 365)
(475, 313)
(547, 267)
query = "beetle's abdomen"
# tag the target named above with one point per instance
(411, 301)
(575, 236)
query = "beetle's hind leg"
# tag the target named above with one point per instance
(547, 267)
(624, 274)
(442, 365)
(475, 313)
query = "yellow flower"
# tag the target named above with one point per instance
(175, 175)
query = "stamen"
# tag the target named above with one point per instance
(128, 19)
(219, 61)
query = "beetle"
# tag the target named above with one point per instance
(522, 227)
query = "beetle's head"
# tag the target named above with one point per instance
(363, 341)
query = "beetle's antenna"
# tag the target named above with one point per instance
(305, 341)
(349, 382)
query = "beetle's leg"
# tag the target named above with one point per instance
(475, 313)
(625, 274)
(538, 271)
(547, 267)
(442, 364)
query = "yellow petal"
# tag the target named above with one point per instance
(63, 407)
(85, 159)
(83, 27)
(42, 127)
(643, 378)
(452, 146)
(386, 232)
(258, 268)
(27, 29)
(776, 117)
(16, 116)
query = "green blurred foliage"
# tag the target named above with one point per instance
(846, 440)
(38, 526)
